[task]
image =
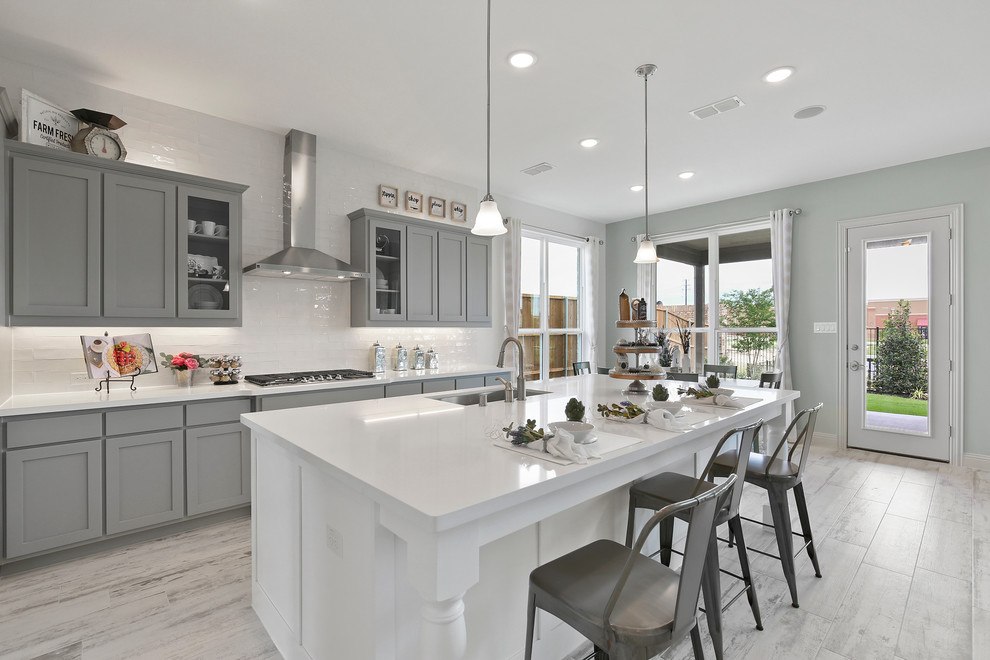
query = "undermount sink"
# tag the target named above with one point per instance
(494, 395)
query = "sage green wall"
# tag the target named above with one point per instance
(959, 178)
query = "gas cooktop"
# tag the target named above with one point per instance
(297, 377)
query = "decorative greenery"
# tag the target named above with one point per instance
(626, 409)
(574, 410)
(181, 362)
(698, 394)
(660, 393)
(902, 357)
(523, 435)
(713, 381)
(666, 355)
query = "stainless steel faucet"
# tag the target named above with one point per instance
(520, 365)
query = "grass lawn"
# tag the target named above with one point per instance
(896, 404)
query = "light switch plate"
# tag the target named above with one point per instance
(825, 327)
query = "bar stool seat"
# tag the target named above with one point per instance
(629, 606)
(661, 490)
(778, 473)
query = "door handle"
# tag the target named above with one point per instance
(854, 365)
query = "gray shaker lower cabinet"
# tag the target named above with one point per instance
(144, 480)
(54, 496)
(218, 467)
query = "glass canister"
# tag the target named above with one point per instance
(419, 358)
(432, 359)
(400, 358)
(378, 358)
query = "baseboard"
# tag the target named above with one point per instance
(825, 440)
(978, 461)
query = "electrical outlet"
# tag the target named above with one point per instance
(79, 377)
(335, 541)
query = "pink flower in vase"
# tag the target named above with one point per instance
(178, 361)
(192, 363)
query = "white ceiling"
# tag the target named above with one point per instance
(404, 82)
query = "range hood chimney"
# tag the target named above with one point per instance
(300, 259)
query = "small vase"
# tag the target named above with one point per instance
(183, 377)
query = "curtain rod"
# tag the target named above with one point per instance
(586, 239)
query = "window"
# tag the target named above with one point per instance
(551, 315)
(715, 298)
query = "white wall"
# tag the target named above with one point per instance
(287, 324)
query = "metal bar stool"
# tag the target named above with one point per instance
(628, 605)
(720, 370)
(581, 368)
(660, 490)
(777, 474)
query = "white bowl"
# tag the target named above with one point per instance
(582, 431)
(673, 406)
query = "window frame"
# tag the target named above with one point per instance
(544, 331)
(714, 329)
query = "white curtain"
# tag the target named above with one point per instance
(591, 269)
(780, 251)
(512, 252)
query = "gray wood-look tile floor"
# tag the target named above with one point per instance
(904, 547)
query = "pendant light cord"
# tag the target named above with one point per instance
(646, 152)
(488, 116)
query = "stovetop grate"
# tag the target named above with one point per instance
(295, 377)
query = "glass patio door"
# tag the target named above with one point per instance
(898, 338)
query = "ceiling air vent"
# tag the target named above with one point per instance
(717, 108)
(538, 169)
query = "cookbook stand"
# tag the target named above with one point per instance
(123, 379)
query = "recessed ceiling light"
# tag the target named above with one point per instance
(809, 112)
(686, 175)
(636, 188)
(778, 75)
(522, 59)
(588, 143)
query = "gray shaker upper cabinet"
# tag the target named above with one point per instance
(96, 240)
(55, 246)
(138, 247)
(421, 272)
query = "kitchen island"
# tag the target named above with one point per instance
(398, 530)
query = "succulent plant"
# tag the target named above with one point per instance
(712, 381)
(660, 393)
(574, 410)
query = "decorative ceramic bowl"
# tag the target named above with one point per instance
(582, 431)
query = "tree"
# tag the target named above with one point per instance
(749, 309)
(902, 357)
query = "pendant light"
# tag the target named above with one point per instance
(488, 222)
(647, 252)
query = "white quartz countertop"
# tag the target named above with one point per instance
(436, 460)
(121, 395)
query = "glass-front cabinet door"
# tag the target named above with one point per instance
(388, 273)
(209, 253)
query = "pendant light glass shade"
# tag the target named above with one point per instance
(647, 252)
(489, 220)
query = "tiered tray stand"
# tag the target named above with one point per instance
(632, 353)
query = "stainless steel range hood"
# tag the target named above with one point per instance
(300, 259)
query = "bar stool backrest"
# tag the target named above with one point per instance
(721, 370)
(771, 379)
(799, 434)
(700, 513)
(746, 436)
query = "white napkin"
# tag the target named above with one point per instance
(562, 444)
(664, 419)
(727, 401)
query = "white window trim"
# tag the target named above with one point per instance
(712, 233)
(546, 237)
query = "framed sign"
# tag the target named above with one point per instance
(458, 211)
(388, 196)
(414, 202)
(45, 123)
(438, 207)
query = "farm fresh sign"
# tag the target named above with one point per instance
(45, 123)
